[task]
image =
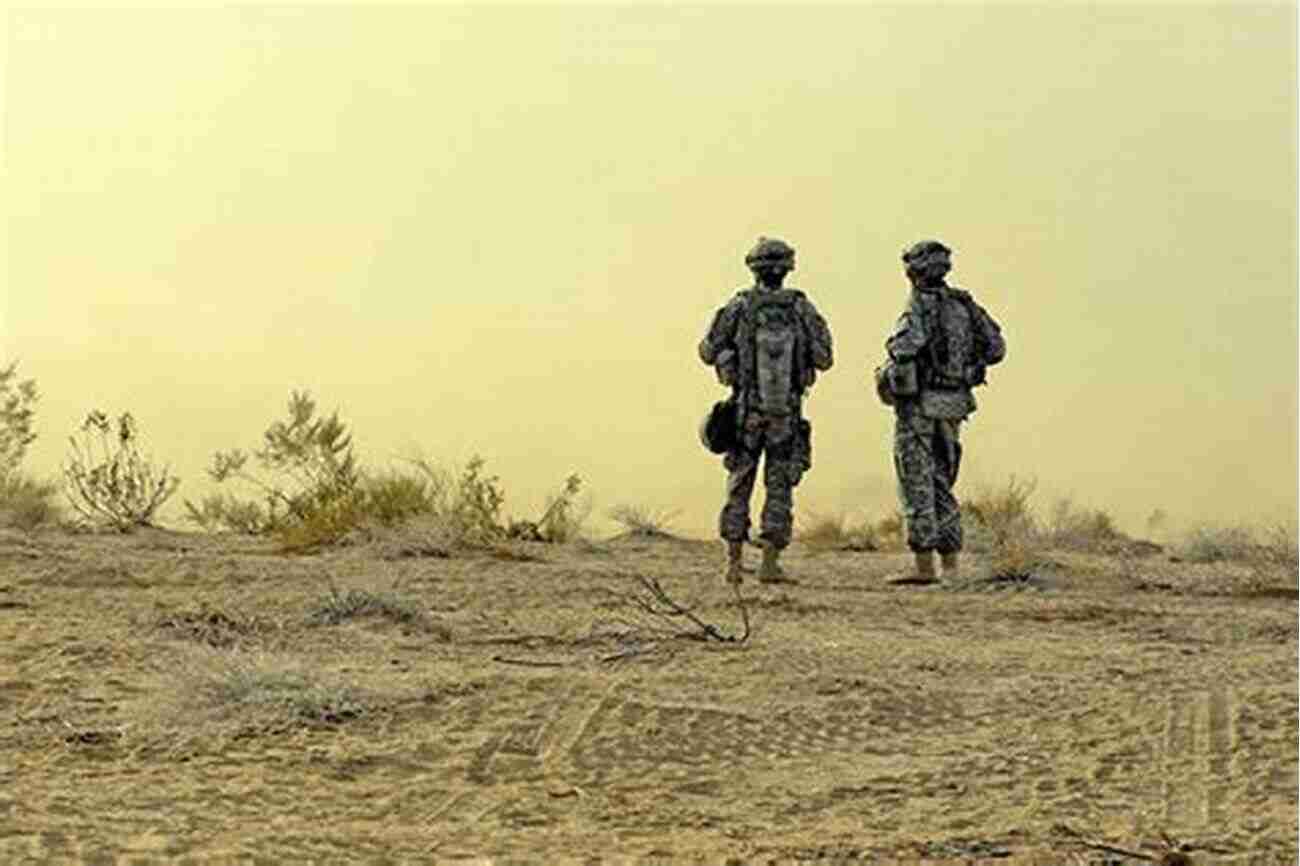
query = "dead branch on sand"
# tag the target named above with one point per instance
(1173, 853)
(654, 616)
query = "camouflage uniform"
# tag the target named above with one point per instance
(779, 432)
(950, 339)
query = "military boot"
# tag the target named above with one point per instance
(770, 571)
(922, 575)
(951, 565)
(735, 552)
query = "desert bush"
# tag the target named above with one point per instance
(474, 508)
(17, 410)
(826, 532)
(561, 521)
(222, 511)
(643, 522)
(26, 503)
(262, 691)
(890, 532)
(1003, 513)
(343, 606)
(1002, 524)
(393, 497)
(1070, 528)
(1280, 548)
(1208, 543)
(323, 522)
(308, 468)
(1272, 548)
(108, 480)
(214, 626)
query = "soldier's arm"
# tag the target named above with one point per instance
(721, 334)
(908, 338)
(992, 334)
(819, 335)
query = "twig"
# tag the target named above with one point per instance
(1067, 830)
(532, 663)
(661, 605)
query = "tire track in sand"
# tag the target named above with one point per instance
(1198, 740)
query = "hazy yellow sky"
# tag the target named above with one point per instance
(504, 229)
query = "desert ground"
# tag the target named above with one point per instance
(170, 697)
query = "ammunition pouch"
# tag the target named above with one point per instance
(897, 379)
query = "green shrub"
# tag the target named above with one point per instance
(308, 472)
(222, 511)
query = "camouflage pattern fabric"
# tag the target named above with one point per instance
(777, 441)
(724, 346)
(952, 337)
(927, 457)
(781, 441)
(952, 340)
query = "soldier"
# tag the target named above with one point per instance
(938, 352)
(767, 345)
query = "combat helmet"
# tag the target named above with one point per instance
(927, 254)
(770, 251)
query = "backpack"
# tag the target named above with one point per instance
(771, 343)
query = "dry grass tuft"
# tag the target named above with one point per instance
(1082, 530)
(214, 627)
(344, 606)
(834, 533)
(641, 522)
(214, 694)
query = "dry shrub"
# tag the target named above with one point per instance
(1002, 524)
(1270, 554)
(826, 532)
(322, 524)
(642, 522)
(212, 693)
(28, 504)
(1208, 543)
(890, 532)
(1280, 547)
(339, 607)
(108, 480)
(215, 627)
(17, 413)
(562, 520)
(391, 497)
(1082, 530)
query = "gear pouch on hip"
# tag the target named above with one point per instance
(904, 380)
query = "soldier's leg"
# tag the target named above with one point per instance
(915, 466)
(742, 469)
(947, 452)
(778, 484)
